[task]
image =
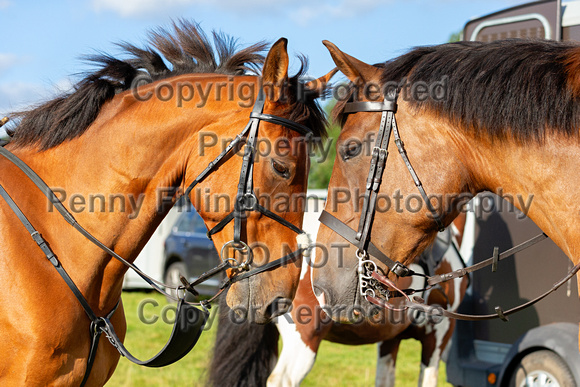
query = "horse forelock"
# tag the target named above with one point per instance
(303, 106)
(520, 89)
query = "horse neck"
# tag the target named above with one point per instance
(134, 152)
(539, 179)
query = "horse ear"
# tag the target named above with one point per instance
(319, 85)
(275, 73)
(354, 69)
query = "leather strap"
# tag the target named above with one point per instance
(295, 126)
(377, 166)
(189, 323)
(500, 313)
(45, 189)
(48, 253)
(349, 235)
(366, 106)
(41, 242)
(401, 147)
(436, 279)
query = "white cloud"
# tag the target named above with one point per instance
(138, 8)
(145, 8)
(17, 95)
(5, 4)
(344, 9)
(7, 61)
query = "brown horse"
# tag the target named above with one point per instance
(126, 141)
(470, 117)
(307, 325)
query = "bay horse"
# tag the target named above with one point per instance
(307, 325)
(465, 117)
(127, 140)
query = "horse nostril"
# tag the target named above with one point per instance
(278, 307)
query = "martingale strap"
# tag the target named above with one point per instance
(188, 325)
(69, 218)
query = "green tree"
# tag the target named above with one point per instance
(321, 164)
(456, 36)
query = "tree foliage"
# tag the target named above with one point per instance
(321, 166)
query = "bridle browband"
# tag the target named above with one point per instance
(368, 273)
(189, 321)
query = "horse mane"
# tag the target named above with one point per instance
(187, 49)
(244, 353)
(516, 88)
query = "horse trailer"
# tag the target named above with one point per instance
(539, 345)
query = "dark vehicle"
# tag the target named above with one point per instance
(189, 252)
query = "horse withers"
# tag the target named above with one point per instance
(116, 150)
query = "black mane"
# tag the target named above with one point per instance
(187, 48)
(522, 89)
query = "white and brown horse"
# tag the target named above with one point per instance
(303, 329)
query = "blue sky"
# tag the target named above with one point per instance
(41, 42)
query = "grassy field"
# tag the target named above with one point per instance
(336, 365)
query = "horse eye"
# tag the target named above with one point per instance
(280, 169)
(351, 149)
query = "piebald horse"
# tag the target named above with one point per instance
(306, 325)
(126, 141)
(457, 119)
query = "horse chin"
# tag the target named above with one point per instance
(258, 308)
(342, 306)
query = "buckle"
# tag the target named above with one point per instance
(380, 150)
(248, 202)
(243, 248)
(400, 269)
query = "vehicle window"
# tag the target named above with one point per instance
(199, 225)
(190, 221)
(185, 223)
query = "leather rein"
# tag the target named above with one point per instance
(189, 321)
(370, 278)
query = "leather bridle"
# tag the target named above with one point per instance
(246, 200)
(189, 321)
(367, 269)
(372, 281)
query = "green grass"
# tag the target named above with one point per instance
(336, 365)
